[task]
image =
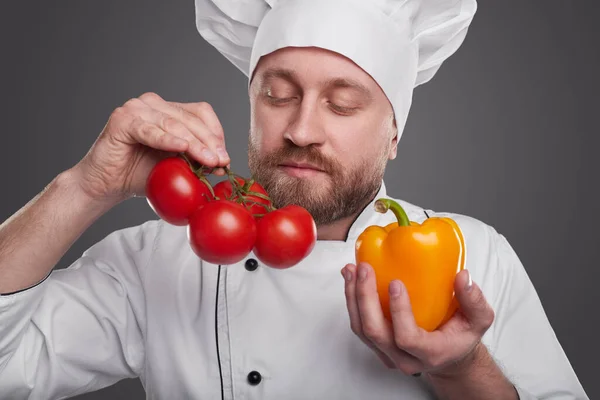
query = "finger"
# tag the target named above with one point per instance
(203, 132)
(349, 274)
(407, 334)
(196, 148)
(192, 122)
(140, 110)
(473, 303)
(152, 136)
(195, 126)
(206, 113)
(374, 325)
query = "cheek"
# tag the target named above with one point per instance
(356, 142)
(267, 127)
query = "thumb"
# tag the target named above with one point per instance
(473, 303)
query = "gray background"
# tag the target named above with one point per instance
(506, 132)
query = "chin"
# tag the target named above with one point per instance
(303, 192)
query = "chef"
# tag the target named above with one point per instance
(330, 85)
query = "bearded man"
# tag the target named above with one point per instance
(330, 87)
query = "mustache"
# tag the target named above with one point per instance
(309, 154)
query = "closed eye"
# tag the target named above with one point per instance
(279, 100)
(342, 110)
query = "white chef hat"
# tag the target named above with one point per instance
(400, 43)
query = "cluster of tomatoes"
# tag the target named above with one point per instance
(227, 221)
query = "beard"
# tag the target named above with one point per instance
(339, 193)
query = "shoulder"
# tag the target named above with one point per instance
(470, 226)
(490, 258)
(132, 239)
(487, 250)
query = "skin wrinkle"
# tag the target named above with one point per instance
(291, 76)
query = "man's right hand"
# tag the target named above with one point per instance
(139, 134)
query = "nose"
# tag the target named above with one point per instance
(306, 127)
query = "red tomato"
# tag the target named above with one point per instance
(222, 232)
(223, 190)
(285, 237)
(174, 192)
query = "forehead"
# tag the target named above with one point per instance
(310, 65)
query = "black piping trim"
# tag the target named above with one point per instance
(217, 333)
(426, 213)
(27, 288)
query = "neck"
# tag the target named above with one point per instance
(337, 230)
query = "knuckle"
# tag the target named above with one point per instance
(155, 134)
(119, 111)
(170, 124)
(200, 145)
(488, 318)
(372, 333)
(133, 103)
(212, 141)
(403, 342)
(118, 115)
(196, 146)
(150, 97)
(356, 329)
(162, 137)
(137, 124)
(219, 134)
(204, 107)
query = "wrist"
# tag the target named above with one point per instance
(463, 367)
(475, 376)
(71, 182)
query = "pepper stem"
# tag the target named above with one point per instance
(383, 205)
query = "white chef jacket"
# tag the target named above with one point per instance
(140, 303)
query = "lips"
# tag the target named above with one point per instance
(301, 165)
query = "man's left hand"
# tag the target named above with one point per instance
(400, 343)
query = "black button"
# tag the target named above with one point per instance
(254, 378)
(251, 264)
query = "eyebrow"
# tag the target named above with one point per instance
(291, 76)
(286, 74)
(350, 84)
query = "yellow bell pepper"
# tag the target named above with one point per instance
(425, 257)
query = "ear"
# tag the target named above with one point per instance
(394, 144)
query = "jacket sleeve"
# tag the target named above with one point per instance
(522, 340)
(82, 328)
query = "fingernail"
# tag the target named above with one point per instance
(362, 273)
(206, 153)
(222, 153)
(395, 289)
(469, 282)
(347, 274)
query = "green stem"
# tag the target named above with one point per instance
(187, 160)
(207, 183)
(383, 205)
(259, 195)
(247, 185)
(252, 202)
(236, 188)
